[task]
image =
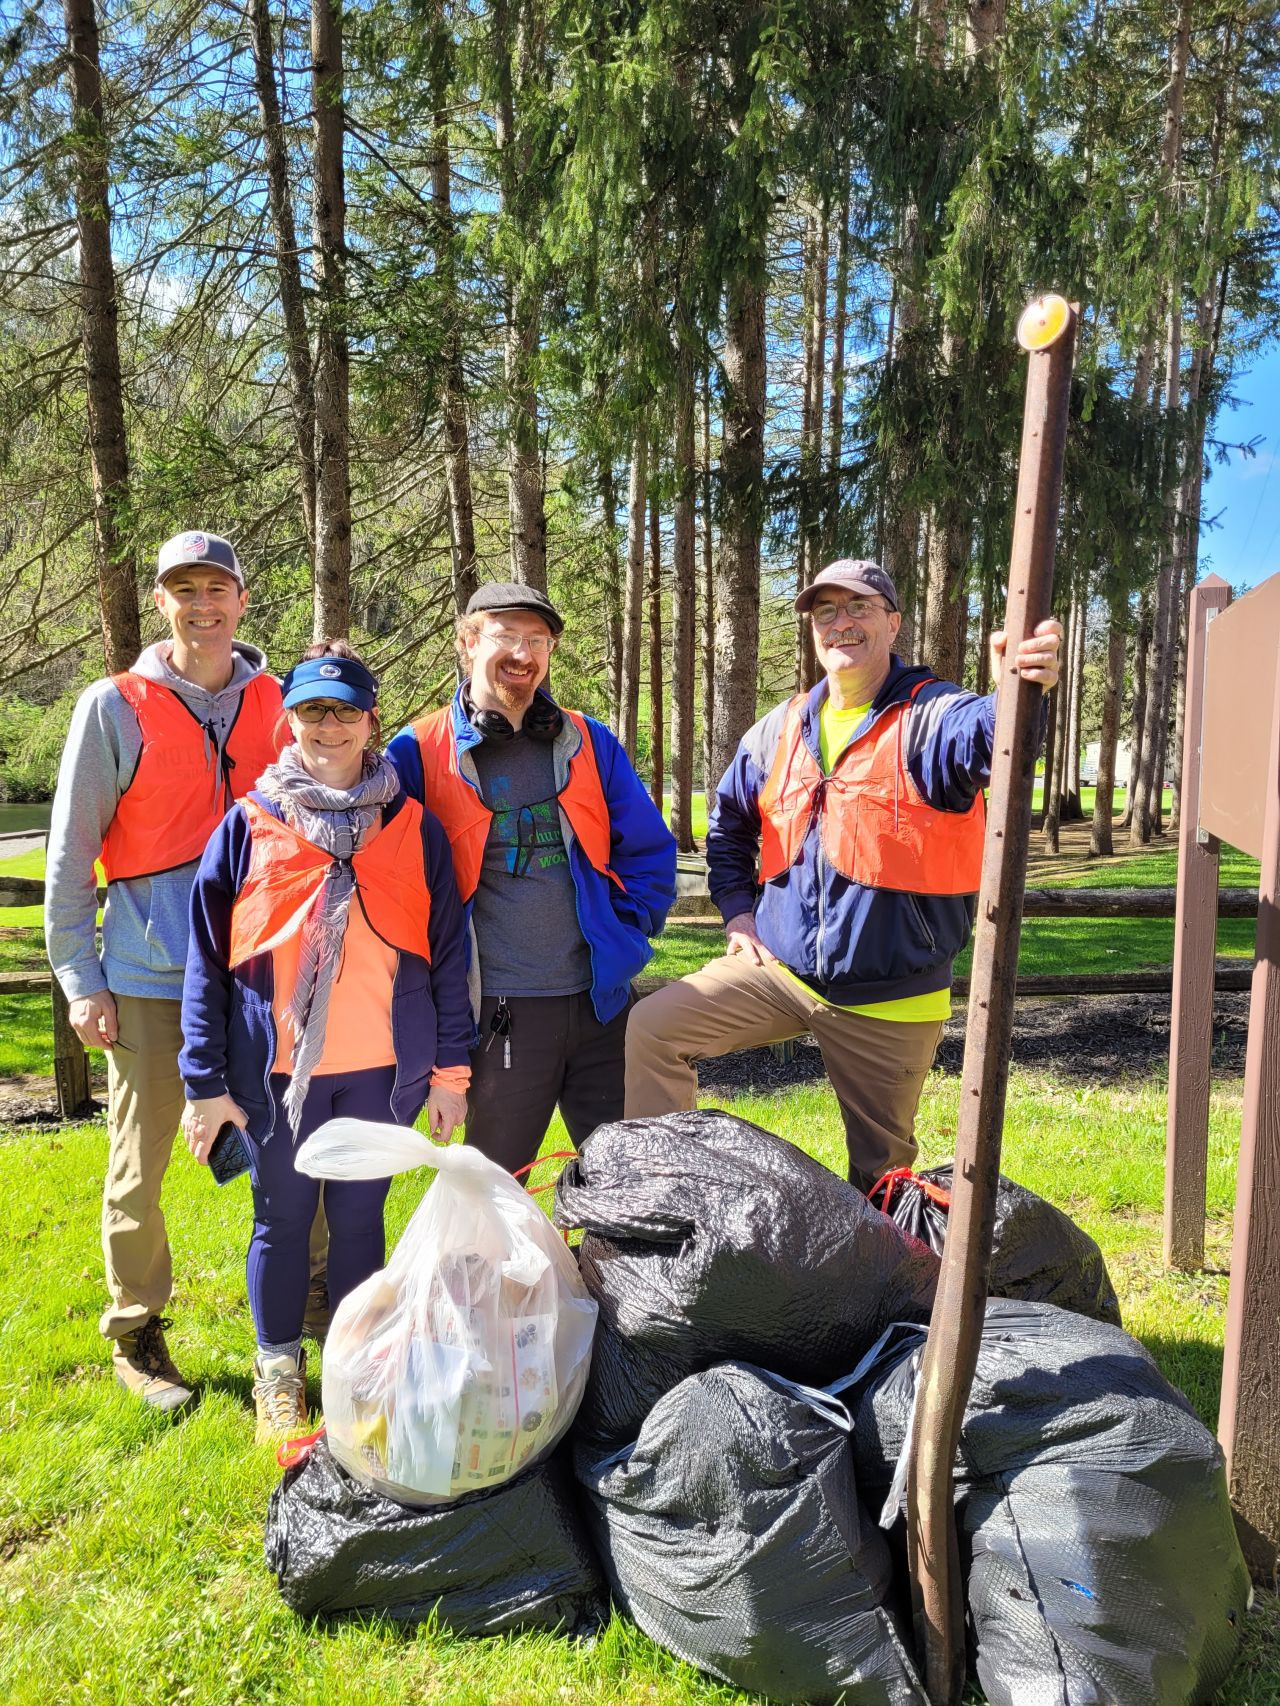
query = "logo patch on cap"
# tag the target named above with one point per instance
(329, 671)
(196, 543)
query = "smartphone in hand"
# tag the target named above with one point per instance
(228, 1157)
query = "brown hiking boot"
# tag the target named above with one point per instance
(280, 1398)
(315, 1322)
(142, 1363)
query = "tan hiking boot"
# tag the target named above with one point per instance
(142, 1363)
(315, 1322)
(279, 1398)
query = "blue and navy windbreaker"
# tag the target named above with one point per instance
(228, 1028)
(616, 923)
(855, 945)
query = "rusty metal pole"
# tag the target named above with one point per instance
(1047, 330)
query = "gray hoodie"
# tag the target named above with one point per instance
(144, 925)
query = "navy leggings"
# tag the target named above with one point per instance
(284, 1205)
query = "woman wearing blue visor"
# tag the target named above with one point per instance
(326, 978)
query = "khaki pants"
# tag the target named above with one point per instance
(144, 1108)
(876, 1066)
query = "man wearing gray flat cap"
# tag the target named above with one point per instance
(844, 848)
(565, 869)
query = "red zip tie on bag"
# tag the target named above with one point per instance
(298, 1449)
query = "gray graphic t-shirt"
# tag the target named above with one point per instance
(525, 914)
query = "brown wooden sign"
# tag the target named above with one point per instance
(1243, 644)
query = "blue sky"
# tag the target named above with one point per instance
(1244, 493)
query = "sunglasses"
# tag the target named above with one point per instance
(316, 710)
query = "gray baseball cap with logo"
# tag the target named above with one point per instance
(196, 549)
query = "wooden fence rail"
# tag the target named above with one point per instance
(71, 1063)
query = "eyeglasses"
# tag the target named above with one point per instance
(824, 614)
(507, 640)
(316, 710)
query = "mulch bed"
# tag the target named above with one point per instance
(1101, 1039)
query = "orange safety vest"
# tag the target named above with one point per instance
(175, 801)
(877, 829)
(466, 818)
(287, 872)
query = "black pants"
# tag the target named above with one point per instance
(561, 1054)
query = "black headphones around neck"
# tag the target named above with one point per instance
(542, 721)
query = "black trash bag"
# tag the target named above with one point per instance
(511, 1557)
(1038, 1253)
(1092, 1505)
(710, 1239)
(732, 1534)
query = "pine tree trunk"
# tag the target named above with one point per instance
(985, 623)
(1072, 810)
(1053, 780)
(1149, 791)
(657, 744)
(742, 467)
(709, 776)
(1138, 716)
(613, 591)
(817, 256)
(453, 393)
(839, 337)
(684, 606)
(100, 344)
(526, 511)
(332, 602)
(1189, 498)
(633, 594)
(947, 601)
(1150, 787)
(898, 528)
(297, 344)
(1050, 753)
(1100, 837)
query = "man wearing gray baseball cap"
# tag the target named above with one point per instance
(154, 757)
(844, 848)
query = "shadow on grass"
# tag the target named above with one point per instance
(236, 1386)
(1194, 1367)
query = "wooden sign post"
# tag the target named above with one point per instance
(1047, 331)
(1231, 792)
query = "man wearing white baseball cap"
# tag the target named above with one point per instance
(154, 758)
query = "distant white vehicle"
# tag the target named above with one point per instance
(1089, 765)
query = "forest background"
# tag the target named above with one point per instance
(658, 304)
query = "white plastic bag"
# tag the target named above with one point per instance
(464, 1359)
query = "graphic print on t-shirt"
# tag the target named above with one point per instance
(526, 837)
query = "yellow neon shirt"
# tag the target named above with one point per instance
(834, 729)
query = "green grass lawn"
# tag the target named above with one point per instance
(130, 1548)
(1068, 947)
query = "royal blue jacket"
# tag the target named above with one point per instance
(228, 1028)
(616, 925)
(855, 945)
